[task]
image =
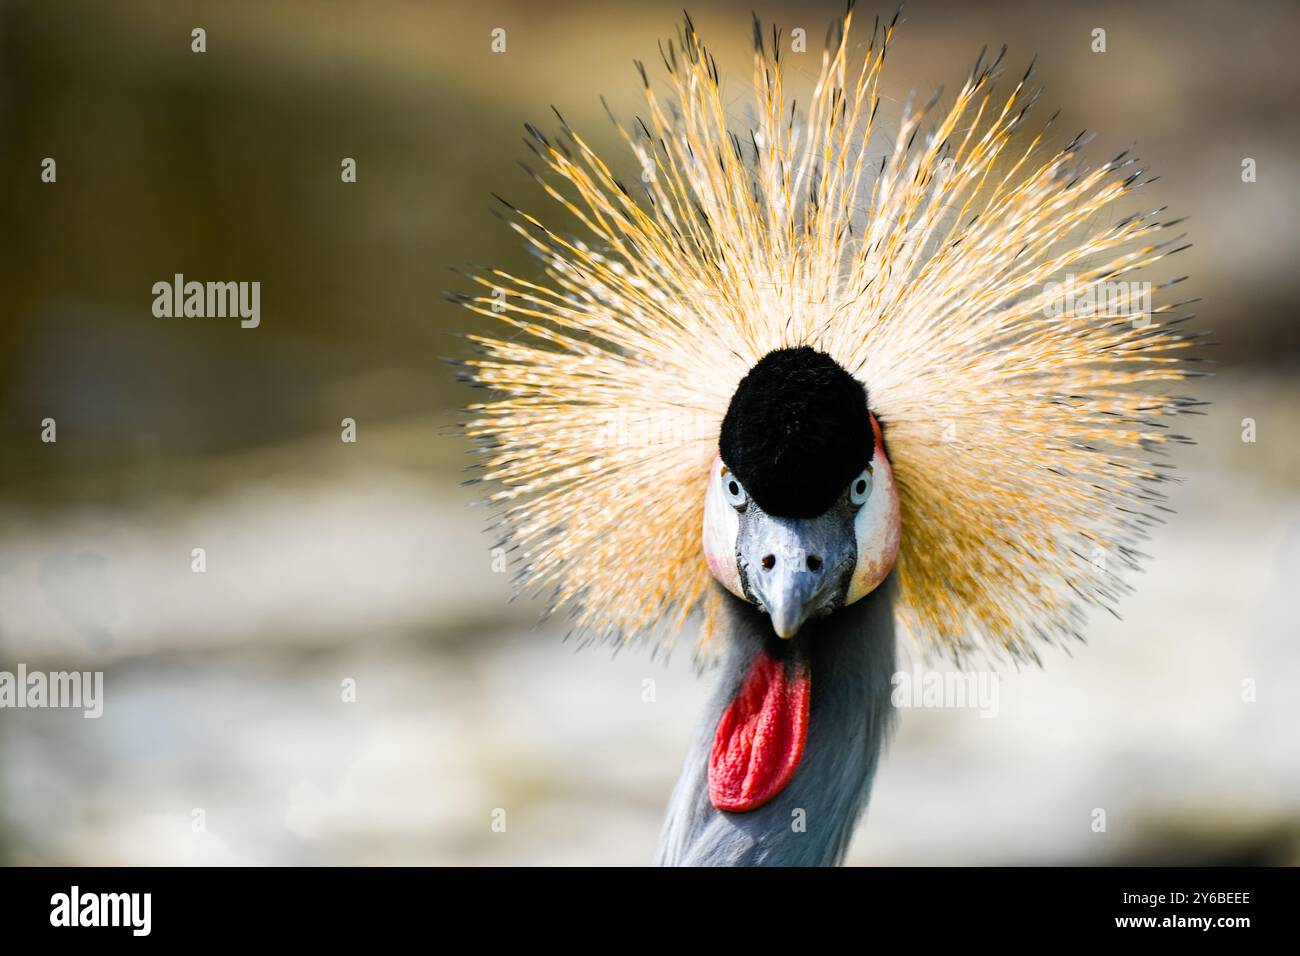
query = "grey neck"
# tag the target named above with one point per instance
(811, 821)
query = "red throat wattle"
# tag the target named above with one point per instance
(760, 738)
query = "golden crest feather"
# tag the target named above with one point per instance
(957, 277)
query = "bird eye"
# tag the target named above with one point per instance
(734, 491)
(860, 489)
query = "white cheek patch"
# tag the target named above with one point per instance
(877, 529)
(721, 528)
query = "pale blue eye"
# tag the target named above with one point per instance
(734, 491)
(860, 488)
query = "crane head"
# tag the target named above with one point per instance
(801, 516)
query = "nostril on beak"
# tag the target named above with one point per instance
(769, 562)
(814, 563)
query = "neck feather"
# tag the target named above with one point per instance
(811, 821)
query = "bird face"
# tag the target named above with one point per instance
(801, 516)
(798, 569)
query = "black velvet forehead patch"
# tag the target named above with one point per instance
(797, 432)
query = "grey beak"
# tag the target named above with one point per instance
(795, 568)
(788, 592)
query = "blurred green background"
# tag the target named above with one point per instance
(330, 562)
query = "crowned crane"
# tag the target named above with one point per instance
(800, 394)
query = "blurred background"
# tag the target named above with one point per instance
(330, 562)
